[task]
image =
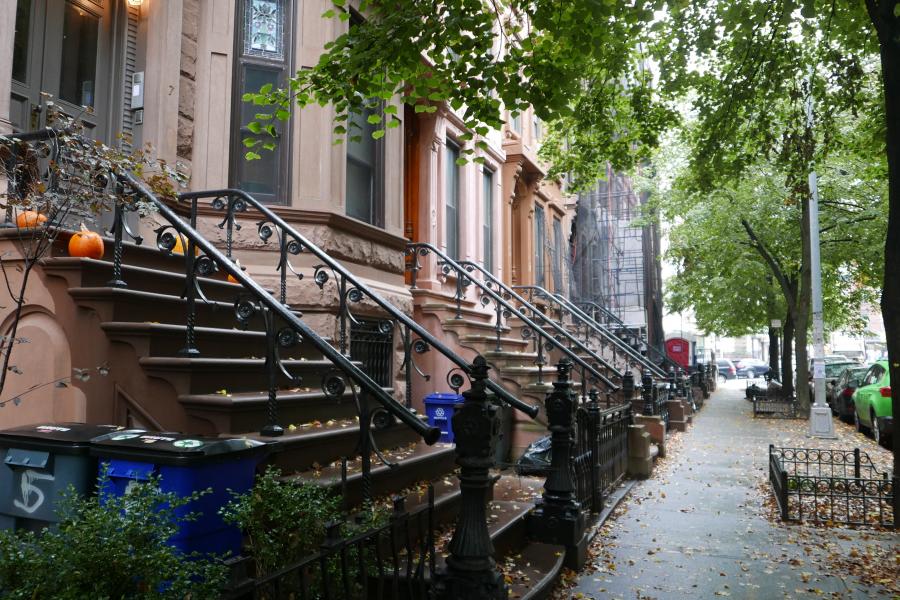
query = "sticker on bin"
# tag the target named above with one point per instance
(152, 439)
(439, 412)
(188, 444)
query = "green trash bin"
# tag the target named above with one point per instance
(38, 463)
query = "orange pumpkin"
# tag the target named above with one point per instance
(231, 278)
(86, 244)
(180, 245)
(30, 218)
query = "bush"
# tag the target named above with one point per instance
(283, 521)
(110, 549)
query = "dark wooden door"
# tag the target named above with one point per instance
(63, 48)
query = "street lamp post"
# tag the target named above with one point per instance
(820, 423)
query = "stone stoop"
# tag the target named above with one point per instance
(678, 415)
(641, 452)
(656, 428)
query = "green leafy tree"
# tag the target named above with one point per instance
(730, 245)
(578, 63)
(751, 68)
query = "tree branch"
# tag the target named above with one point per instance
(771, 261)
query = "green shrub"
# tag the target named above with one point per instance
(110, 550)
(283, 521)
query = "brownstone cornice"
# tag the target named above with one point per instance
(303, 216)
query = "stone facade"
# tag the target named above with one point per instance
(186, 50)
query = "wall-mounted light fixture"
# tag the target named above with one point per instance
(135, 3)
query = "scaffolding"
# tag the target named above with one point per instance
(614, 259)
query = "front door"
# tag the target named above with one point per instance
(62, 48)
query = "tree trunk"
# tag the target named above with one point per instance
(885, 17)
(787, 369)
(773, 350)
(773, 333)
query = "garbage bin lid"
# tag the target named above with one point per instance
(173, 448)
(65, 438)
(443, 397)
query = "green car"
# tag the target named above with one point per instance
(873, 403)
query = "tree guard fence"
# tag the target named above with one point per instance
(830, 486)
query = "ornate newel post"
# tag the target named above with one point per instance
(557, 517)
(672, 382)
(471, 572)
(647, 392)
(627, 387)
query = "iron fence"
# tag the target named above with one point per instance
(372, 343)
(775, 408)
(831, 486)
(393, 560)
(601, 452)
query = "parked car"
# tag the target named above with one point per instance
(840, 393)
(833, 370)
(751, 368)
(872, 403)
(727, 370)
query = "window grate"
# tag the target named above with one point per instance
(372, 344)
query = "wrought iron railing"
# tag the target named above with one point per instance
(350, 289)
(385, 561)
(601, 452)
(256, 301)
(775, 407)
(827, 485)
(554, 329)
(582, 321)
(613, 322)
(494, 292)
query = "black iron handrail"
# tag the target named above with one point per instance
(336, 267)
(505, 289)
(195, 239)
(589, 323)
(462, 270)
(662, 356)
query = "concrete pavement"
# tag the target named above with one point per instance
(702, 527)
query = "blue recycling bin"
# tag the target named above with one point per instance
(439, 409)
(184, 464)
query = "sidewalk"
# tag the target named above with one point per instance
(701, 527)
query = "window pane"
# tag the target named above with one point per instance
(557, 255)
(254, 78)
(20, 43)
(488, 196)
(539, 241)
(517, 123)
(452, 200)
(79, 56)
(257, 176)
(264, 29)
(362, 169)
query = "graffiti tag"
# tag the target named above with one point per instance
(32, 496)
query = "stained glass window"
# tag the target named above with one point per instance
(264, 27)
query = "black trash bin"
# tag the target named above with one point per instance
(185, 464)
(39, 462)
